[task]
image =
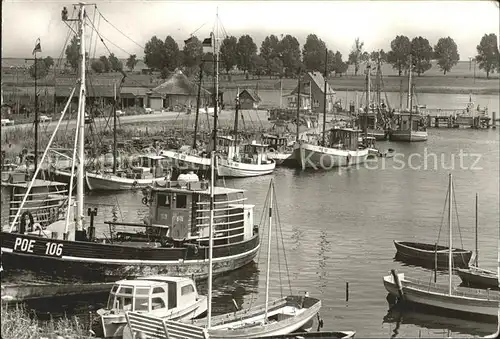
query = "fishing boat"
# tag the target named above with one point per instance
(426, 254)
(172, 241)
(149, 171)
(457, 299)
(278, 149)
(246, 160)
(166, 297)
(316, 335)
(473, 276)
(409, 126)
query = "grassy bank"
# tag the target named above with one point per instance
(18, 323)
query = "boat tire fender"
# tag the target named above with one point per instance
(144, 200)
(134, 184)
(22, 223)
(195, 249)
(271, 150)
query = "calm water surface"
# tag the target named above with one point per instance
(338, 226)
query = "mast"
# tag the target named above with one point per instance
(408, 100)
(298, 109)
(269, 246)
(216, 78)
(477, 247)
(210, 239)
(450, 247)
(324, 103)
(37, 120)
(81, 135)
(114, 130)
(236, 116)
(197, 106)
(410, 95)
(368, 68)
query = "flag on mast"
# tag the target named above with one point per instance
(38, 47)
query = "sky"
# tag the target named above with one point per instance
(337, 23)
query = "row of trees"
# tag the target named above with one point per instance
(284, 57)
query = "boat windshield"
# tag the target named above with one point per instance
(120, 298)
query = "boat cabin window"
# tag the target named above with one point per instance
(158, 290)
(188, 289)
(163, 200)
(157, 303)
(126, 290)
(180, 201)
(122, 303)
(141, 303)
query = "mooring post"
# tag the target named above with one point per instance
(346, 291)
(494, 121)
(92, 214)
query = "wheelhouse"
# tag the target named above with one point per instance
(274, 142)
(344, 138)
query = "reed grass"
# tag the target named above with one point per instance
(18, 323)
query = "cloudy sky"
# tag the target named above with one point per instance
(338, 23)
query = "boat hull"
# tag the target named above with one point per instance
(318, 157)
(100, 182)
(440, 299)
(379, 135)
(228, 168)
(281, 159)
(184, 161)
(98, 262)
(409, 136)
(425, 255)
(476, 277)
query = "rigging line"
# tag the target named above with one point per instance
(198, 28)
(282, 242)
(66, 42)
(278, 249)
(456, 213)
(442, 215)
(91, 36)
(125, 35)
(102, 40)
(95, 41)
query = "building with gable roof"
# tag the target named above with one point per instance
(249, 99)
(312, 94)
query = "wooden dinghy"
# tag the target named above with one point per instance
(40, 290)
(478, 277)
(426, 254)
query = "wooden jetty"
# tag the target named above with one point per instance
(453, 118)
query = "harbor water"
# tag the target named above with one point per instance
(338, 227)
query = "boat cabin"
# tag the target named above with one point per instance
(43, 205)
(274, 142)
(180, 211)
(368, 121)
(228, 146)
(148, 166)
(403, 121)
(150, 294)
(366, 142)
(255, 154)
(344, 138)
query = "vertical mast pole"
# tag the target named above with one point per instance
(81, 134)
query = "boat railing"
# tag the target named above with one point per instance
(221, 202)
(459, 291)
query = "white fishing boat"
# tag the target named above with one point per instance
(146, 174)
(279, 149)
(173, 298)
(250, 162)
(458, 299)
(341, 150)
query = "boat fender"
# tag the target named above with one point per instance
(272, 150)
(134, 184)
(144, 201)
(22, 224)
(195, 249)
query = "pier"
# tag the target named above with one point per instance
(453, 118)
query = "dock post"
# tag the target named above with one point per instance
(494, 120)
(346, 291)
(436, 121)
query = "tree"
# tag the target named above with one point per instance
(446, 53)
(154, 53)
(275, 67)
(172, 54)
(422, 53)
(229, 53)
(487, 53)
(269, 50)
(73, 53)
(131, 62)
(49, 62)
(259, 65)
(357, 55)
(192, 52)
(97, 66)
(106, 63)
(246, 50)
(41, 69)
(289, 51)
(313, 53)
(339, 66)
(116, 64)
(379, 55)
(398, 55)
